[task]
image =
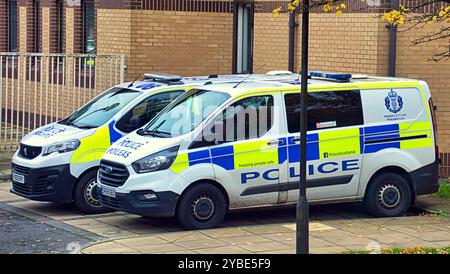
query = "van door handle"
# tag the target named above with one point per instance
(275, 143)
(296, 139)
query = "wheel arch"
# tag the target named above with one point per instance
(397, 170)
(206, 181)
(91, 169)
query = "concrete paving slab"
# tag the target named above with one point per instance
(223, 250)
(248, 239)
(141, 241)
(265, 247)
(203, 243)
(162, 248)
(327, 250)
(226, 232)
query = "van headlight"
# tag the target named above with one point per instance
(157, 161)
(62, 147)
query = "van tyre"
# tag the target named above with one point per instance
(388, 195)
(85, 195)
(203, 206)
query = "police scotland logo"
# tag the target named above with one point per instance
(393, 102)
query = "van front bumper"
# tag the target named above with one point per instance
(49, 184)
(162, 206)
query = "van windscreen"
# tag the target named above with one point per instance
(101, 109)
(186, 113)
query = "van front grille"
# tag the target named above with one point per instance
(29, 152)
(112, 174)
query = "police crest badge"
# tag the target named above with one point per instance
(393, 102)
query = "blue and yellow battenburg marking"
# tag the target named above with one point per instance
(322, 145)
(93, 147)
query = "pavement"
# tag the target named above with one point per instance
(333, 229)
(5, 174)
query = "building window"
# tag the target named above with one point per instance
(36, 20)
(60, 26)
(88, 27)
(12, 26)
(243, 36)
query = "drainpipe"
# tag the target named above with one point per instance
(291, 58)
(393, 42)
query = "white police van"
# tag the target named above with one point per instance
(58, 162)
(231, 146)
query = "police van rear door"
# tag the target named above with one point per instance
(334, 147)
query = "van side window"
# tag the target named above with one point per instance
(245, 119)
(146, 110)
(329, 109)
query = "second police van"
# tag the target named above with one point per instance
(230, 146)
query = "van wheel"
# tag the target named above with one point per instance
(85, 196)
(388, 195)
(203, 206)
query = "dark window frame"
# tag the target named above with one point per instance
(85, 25)
(358, 117)
(36, 26)
(60, 39)
(12, 36)
(251, 31)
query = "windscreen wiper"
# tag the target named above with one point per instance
(152, 132)
(78, 126)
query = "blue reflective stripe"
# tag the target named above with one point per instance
(312, 148)
(382, 137)
(202, 161)
(312, 137)
(282, 151)
(114, 135)
(371, 148)
(381, 129)
(312, 152)
(198, 155)
(221, 156)
(361, 140)
(227, 162)
(222, 151)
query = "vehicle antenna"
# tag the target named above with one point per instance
(132, 83)
(248, 76)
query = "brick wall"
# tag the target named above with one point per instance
(412, 62)
(77, 38)
(186, 43)
(33, 45)
(3, 26)
(271, 42)
(70, 29)
(22, 29)
(53, 23)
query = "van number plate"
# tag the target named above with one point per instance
(108, 191)
(18, 178)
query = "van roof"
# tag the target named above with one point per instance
(165, 80)
(287, 84)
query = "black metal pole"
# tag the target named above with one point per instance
(291, 62)
(302, 204)
(393, 42)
